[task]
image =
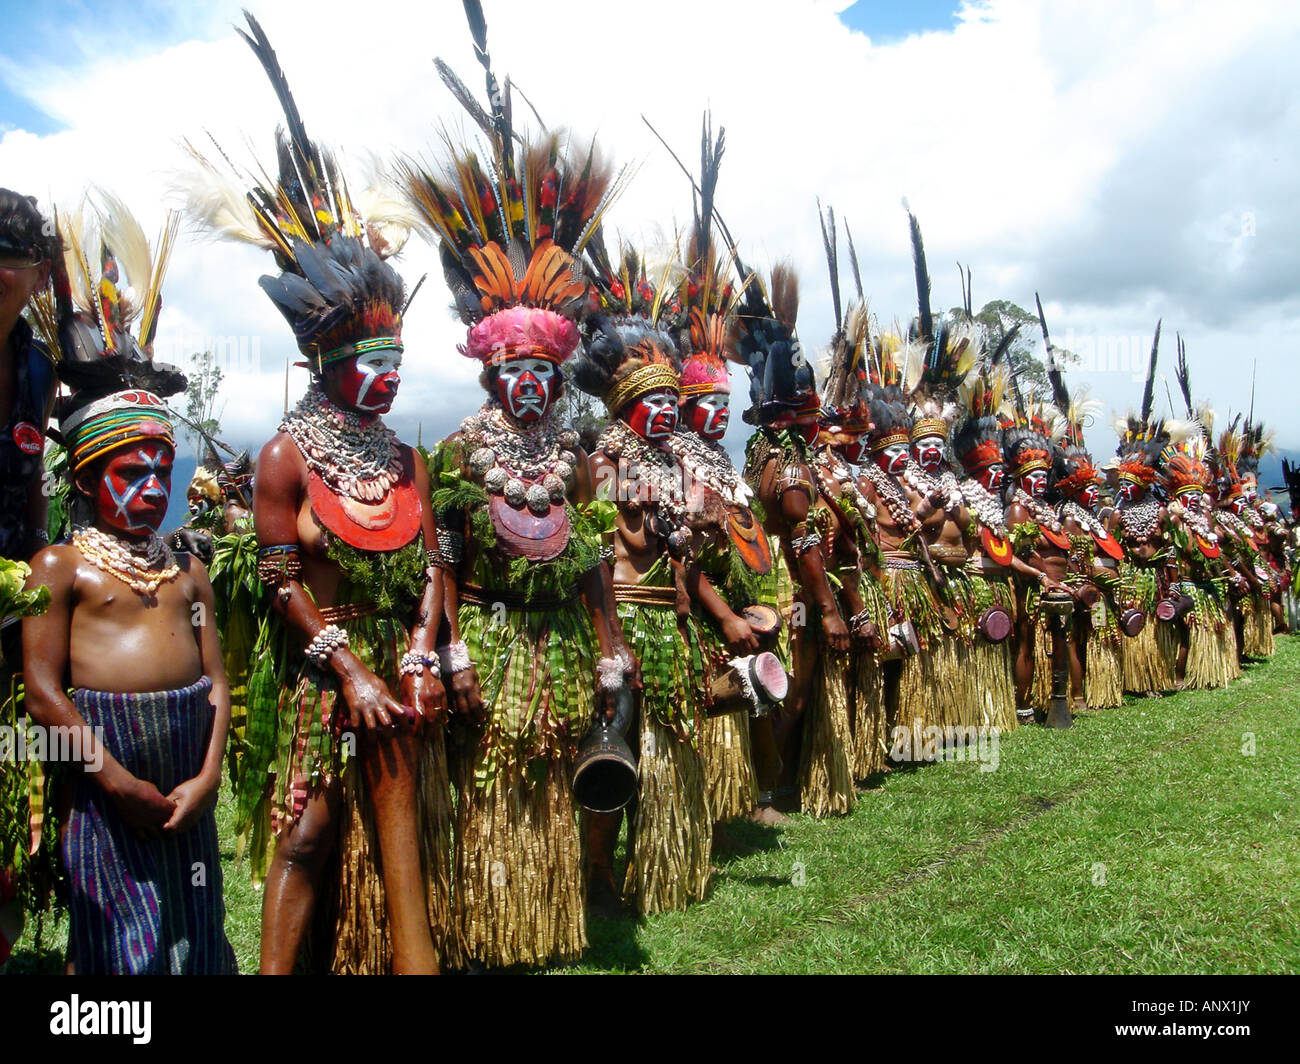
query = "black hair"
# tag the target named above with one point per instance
(23, 226)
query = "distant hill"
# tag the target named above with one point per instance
(1270, 475)
(178, 510)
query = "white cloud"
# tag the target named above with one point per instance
(1128, 160)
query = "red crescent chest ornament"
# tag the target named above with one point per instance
(1210, 550)
(524, 534)
(749, 540)
(1059, 540)
(1109, 544)
(382, 526)
(996, 547)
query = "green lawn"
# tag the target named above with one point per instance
(1160, 837)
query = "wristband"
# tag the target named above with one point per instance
(454, 657)
(326, 642)
(610, 673)
(413, 663)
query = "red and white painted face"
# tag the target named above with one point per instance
(1192, 500)
(134, 487)
(893, 459)
(368, 383)
(1250, 489)
(1237, 504)
(526, 387)
(928, 453)
(1087, 497)
(853, 451)
(992, 476)
(708, 415)
(1130, 491)
(654, 415)
(1034, 484)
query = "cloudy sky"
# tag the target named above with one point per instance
(1129, 160)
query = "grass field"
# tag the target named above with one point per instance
(1161, 837)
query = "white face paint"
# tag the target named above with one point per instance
(710, 415)
(524, 387)
(928, 452)
(654, 415)
(1034, 484)
(135, 488)
(375, 380)
(893, 459)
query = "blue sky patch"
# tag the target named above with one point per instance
(891, 20)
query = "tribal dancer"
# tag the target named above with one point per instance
(1038, 537)
(1263, 516)
(1254, 616)
(849, 548)
(514, 491)
(1139, 522)
(728, 541)
(631, 362)
(346, 669)
(977, 444)
(1094, 553)
(779, 467)
(139, 844)
(1207, 654)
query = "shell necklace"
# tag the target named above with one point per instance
(355, 456)
(533, 465)
(143, 567)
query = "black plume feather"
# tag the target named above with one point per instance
(832, 260)
(853, 261)
(1148, 391)
(922, 279)
(1183, 374)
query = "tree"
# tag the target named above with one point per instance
(999, 317)
(581, 412)
(200, 400)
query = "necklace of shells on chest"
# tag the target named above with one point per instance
(925, 483)
(986, 507)
(1090, 522)
(1252, 518)
(1041, 512)
(893, 496)
(533, 465)
(144, 566)
(1234, 523)
(355, 456)
(1140, 520)
(1198, 522)
(654, 471)
(709, 463)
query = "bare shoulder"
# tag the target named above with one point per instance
(55, 566)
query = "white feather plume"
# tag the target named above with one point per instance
(124, 237)
(217, 204)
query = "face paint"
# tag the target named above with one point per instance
(368, 383)
(524, 387)
(1249, 488)
(709, 414)
(893, 459)
(808, 429)
(1088, 496)
(992, 477)
(1192, 500)
(654, 415)
(1130, 492)
(1034, 484)
(853, 451)
(1237, 505)
(134, 487)
(199, 504)
(928, 453)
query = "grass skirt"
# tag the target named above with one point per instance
(519, 894)
(1211, 639)
(1103, 685)
(825, 772)
(992, 665)
(728, 766)
(1257, 626)
(671, 839)
(921, 694)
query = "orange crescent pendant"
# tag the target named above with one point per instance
(1056, 539)
(1109, 544)
(747, 537)
(386, 525)
(1210, 550)
(995, 547)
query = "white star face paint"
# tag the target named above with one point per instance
(524, 386)
(654, 415)
(709, 415)
(135, 486)
(928, 452)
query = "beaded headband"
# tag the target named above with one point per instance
(928, 426)
(358, 348)
(652, 377)
(889, 440)
(114, 421)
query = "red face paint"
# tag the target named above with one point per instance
(928, 453)
(525, 386)
(893, 459)
(1034, 484)
(853, 451)
(134, 486)
(708, 415)
(368, 383)
(654, 415)
(992, 477)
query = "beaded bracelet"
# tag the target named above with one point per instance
(454, 657)
(803, 544)
(413, 663)
(326, 642)
(451, 545)
(278, 565)
(610, 672)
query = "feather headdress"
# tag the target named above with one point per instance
(336, 290)
(706, 293)
(511, 228)
(1142, 436)
(983, 405)
(844, 395)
